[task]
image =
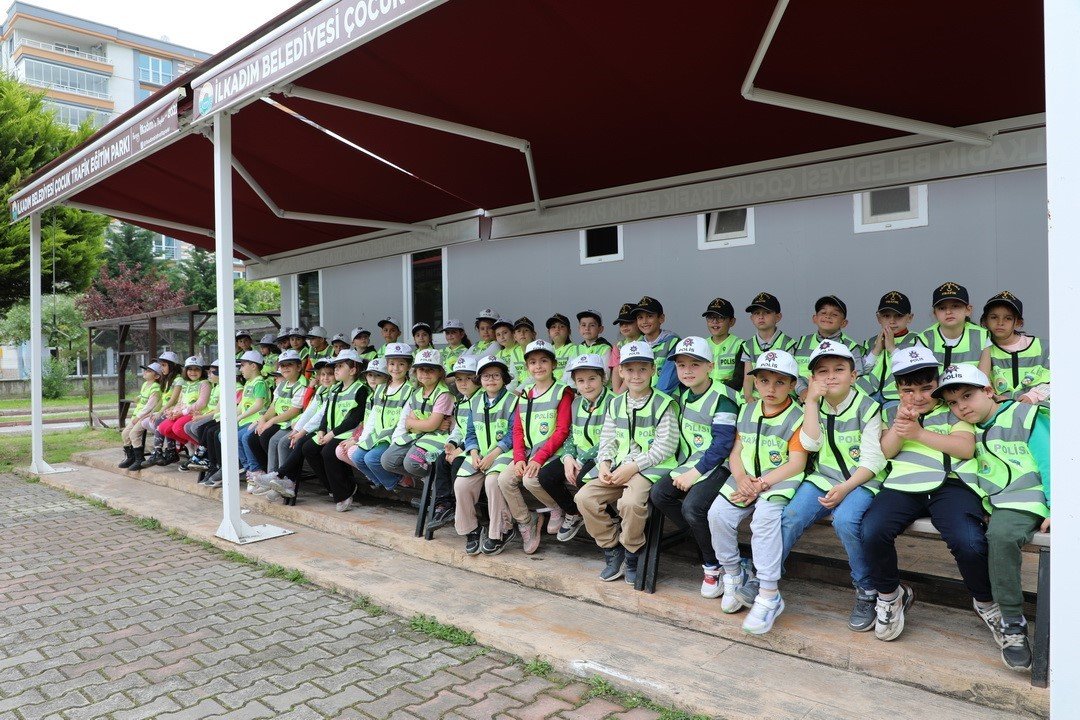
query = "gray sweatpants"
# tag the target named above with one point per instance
(278, 449)
(406, 460)
(766, 540)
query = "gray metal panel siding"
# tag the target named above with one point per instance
(361, 294)
(988, 233)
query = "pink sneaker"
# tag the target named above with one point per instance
(530, 534)
(554, 521)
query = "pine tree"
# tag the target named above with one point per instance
(129, 245)
(30, 138)
(197, 273)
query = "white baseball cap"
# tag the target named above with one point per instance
(347, 354)
(297, 332)
(777, 361)
(695, 347)
(169, 356)
(377, 365)
(637, 351)
(252, 356)
(909, 359)
(319, 362)
(216, 363)
(588, 361)
(428, 357)
(398, 350)
(830, 348)
(268, 339)
(961, 375)
(389, 320)
(540, 346)
(358, 331)
(242, 334)
(487, 314)
(193, 361)
(288, 356)
(452, 324)
(317, 332)
(489, 360)
(283, 334)
(155, 367)
(465, 364)
(340, 337)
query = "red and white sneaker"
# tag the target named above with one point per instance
(711, 587)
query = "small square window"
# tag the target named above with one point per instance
(725, 228)
(891, 209)
(602, 244)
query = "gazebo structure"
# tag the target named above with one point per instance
(486, 119)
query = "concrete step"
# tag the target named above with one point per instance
(944, 650)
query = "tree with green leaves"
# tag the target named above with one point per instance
(256, 295)
(72, 240)
(62, 322)
(197, 275)
(130, 245)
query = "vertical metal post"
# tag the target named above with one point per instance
(191, 335)
(37, 451)
(233, 527)
(90, 374)
(1062, 66)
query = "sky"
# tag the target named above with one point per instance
(207, 25)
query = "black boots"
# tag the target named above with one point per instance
(129, 457)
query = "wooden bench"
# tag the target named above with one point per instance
(657, 542)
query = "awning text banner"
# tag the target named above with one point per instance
(138, 136)
(332, 31)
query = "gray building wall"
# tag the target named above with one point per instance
(988, 233)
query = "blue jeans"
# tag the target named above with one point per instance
(370, 464)
(804, 510)
(247, 460)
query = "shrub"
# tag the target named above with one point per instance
(54, 379)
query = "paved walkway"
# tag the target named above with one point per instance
(102, 618)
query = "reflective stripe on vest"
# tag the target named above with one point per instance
(247, 398)
(422, 408)
(192, 389)
(695, 424)
(461, 416)
(842, 435)
(879, 378)
(1014, 373)
(450, 357)
(269, 363)
(966, 352)
(921, 469)
(754, 348)
(342, 401)
(148, 389)
(387, 411)
(765, 447)
(563, 355)
(1008, 473)
(725, 357)
(807, 344)
(215, 398)
(638, 427)
(283, 397)
(491, 424)
(588, 421)
(538, 415)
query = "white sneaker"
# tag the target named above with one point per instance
(711, 587)
(343, 505)
(732, 603)
(260, 490)
(252, 487)
(763, 614)
(283, 486)
(890, 614)
(264, 479)
(992, 617)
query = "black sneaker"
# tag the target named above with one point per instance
(491, 546)
(443, 516)
(614, 563)
(473, 541)
(169, 457)
(1015, 649)
(631, 568)
(864, 613)
(153, 458)
(199, 462)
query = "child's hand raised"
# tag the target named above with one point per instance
(816, 390)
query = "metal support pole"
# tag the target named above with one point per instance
(232, 528)
(1062, 65)
(37, 451)
(90, 374)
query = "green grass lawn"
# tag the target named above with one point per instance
(23, 403)
(59, 446)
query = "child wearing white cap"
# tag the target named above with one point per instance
(843, 426)
(453, 455)
(1012, 452)
(253, 399)
(425, 422)
(638, 444)
(285, 406)
(929, 475)
(543, 424)
(146, 405)
(485, 331)
(456, 343)
(385, 413)
(556, 483)
(707, 411)
(767, 464)
(193, 397)
(488, 446)
(172, 384)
